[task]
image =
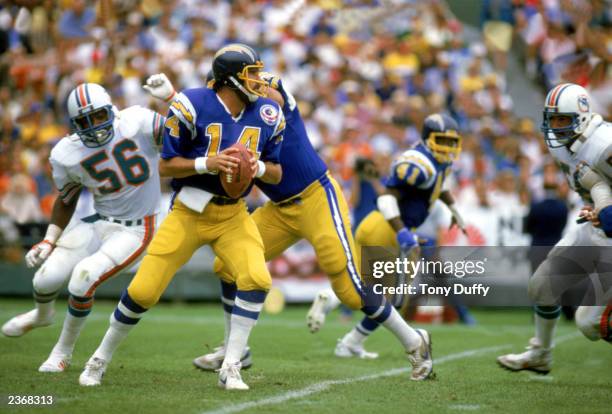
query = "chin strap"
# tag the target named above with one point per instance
(251, 97)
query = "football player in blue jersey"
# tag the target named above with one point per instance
(202, 125)
(308, 204)
(413, 185)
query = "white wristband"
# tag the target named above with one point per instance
(261, 168)
(53, 233)
(200, 165)
(387, 205)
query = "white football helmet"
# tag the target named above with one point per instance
(566, 99)
(91, 114)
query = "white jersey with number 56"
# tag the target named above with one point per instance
(123, 174)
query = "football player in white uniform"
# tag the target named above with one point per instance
(581, 143)
(114, 154)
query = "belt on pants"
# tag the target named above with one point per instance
(290, 202)
(224, 201)
(127, 223)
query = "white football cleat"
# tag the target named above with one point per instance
(346, 350)
(317, 312)
(421, 359)
(535, 359)
(214, 360)
(22, 324)
(93, 372)
(230, 379)
(56, 363)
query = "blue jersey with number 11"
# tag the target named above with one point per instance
(418, 178)
(199, 125)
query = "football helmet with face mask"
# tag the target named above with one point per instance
(571, 105)
(231, 67)
(91, 114)
(441, 135)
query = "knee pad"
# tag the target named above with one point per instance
(88, 274)
(49, 279)
(143, 297)
(350, 299)
(222, 271)
(588, 321)
(255, 281)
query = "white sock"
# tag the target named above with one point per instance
(228, 327)
(45, 310)
(354, 337)
(545, 330)
(228, 296)
(70, 333)
(404, 332)
(244, 318)
(115, 334)
(126, 315)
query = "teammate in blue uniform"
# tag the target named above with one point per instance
(201, 126)
(308, 204)
(413, 185)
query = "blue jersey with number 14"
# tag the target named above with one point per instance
(199, 125)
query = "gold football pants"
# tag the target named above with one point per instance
(321, 216)
(230, 231)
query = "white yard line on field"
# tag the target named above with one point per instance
(322, 386)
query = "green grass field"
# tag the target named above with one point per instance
(295, 371)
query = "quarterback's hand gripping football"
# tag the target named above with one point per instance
(223, 161)
(159, 86)
(39, 253)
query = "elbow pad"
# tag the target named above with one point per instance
(387, 205)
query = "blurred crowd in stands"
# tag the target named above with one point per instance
(365, 75)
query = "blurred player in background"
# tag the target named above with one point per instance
(581, 143)
(309, 204)
(114, 154)
(414, 184)
(201, 126)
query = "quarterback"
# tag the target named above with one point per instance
(201, 127)
(114, 154)
(308, 204)
(581, 143)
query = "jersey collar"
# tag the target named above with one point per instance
(236, 119)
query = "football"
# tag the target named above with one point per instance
(235, 184)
